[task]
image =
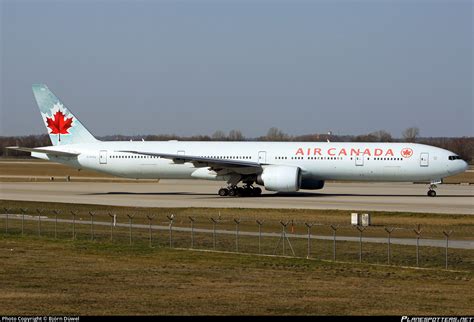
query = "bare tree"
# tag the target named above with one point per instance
(410, 134)
(236, 135)
(275, 134)
(219, 136)
(382, 136)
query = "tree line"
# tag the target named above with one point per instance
(463, 146)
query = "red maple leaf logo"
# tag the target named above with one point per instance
(407, 152)
(58, 123)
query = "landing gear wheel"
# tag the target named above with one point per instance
(223, 192)
(431, 193)
(241, 192)
(232, 192)
(256, 192)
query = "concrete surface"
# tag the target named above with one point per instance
(451, 199)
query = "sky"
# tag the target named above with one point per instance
(194, 67)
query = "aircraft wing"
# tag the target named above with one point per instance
(215, 164)
(46, 151)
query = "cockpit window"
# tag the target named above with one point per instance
(454, 157)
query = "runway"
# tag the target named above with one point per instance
(406, 197)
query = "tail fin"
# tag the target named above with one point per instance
(63, 127)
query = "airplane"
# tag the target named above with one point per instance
(277, 166)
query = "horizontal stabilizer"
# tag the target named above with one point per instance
(46, 151)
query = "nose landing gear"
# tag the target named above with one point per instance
(433, 185)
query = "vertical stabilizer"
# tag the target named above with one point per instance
(63, 127)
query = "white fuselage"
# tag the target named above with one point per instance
(317, 160)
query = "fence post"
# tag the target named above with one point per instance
(309, 226)
(74, 214)
(92, 214)
(170, 218)
(447, 234)
(130, 220)
(191, 219)
(23, 211)
(7, 210)
(56, 213)
(113, 220)
(360, 229)
(284, 238)
(389, 232)
(150, 218)
(39, 211)
(418, 235)
(334, 228)
(259, 223)
(237, 223)
(214, 222)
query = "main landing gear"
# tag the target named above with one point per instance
(245, 191)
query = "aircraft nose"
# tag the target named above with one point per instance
(465, 165)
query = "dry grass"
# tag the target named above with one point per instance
(461, 223)
(432, 227)
(13, 170)
(43, 277)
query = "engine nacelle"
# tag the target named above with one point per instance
(280, 178)
(311, 184)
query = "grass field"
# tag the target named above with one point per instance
(41, 276)
(13, 170)
(432, 226)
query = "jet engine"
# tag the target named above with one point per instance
(311, 183)
(280, 178)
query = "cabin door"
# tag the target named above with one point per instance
(103, 157)
(359, 160)
(424, 159)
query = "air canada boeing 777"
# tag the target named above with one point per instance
(277, 166)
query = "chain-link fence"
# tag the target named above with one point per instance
(417, 246)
